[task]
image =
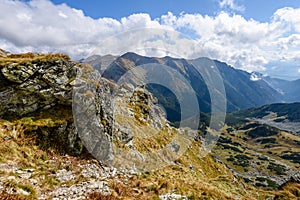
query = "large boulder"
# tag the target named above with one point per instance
(36, 90)
(32, 82)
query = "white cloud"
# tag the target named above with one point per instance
(247, 44)
(42, 26)
(288, 17)
(61, 14)
(231, 5)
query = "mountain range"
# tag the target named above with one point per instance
(243, 90)
(260, 140)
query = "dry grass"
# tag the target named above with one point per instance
(23, 151)
(208, 180)
(121, 189)
(31, 57)
(289, 191)
(6, 196)
(99, 196)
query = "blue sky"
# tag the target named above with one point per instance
(253, 35)
(261, 10)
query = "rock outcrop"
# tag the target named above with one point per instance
(93, 113)
(40, 87)
(32, 82)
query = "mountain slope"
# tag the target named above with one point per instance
(99, 63)
(262, 144)
(282, 116)
(263, 155)
(289, 111)
(290, 90)
(241, 91)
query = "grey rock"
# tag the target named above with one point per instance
(40, 85)
(296, 177)
(172, 197)
(79, 191)
(125, 134)
(174, 147)
(64, 175)
(30, 86)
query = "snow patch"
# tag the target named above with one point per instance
(255, 77)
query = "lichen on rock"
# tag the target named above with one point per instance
(36, 92)
(35, 83)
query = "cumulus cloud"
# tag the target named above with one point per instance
(245, 44)
(231, 5)
(41, 26)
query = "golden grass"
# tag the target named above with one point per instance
(23, 150)
(31, 57)
(207, 180)
(7, 196)
(98, 196)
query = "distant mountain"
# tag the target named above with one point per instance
(100, 63)
(290, 90)
(3, 52)
(243, 90)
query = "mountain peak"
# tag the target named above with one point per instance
(131, 56)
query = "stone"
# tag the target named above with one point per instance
(23, 85)
(172, 197)
(40, 84)
(64, 175)
(23, 192)
(125, 134)
(174, 147)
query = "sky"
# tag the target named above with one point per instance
(251, 35)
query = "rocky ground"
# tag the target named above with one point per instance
(92, 177)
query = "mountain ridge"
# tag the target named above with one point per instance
(241, 91)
